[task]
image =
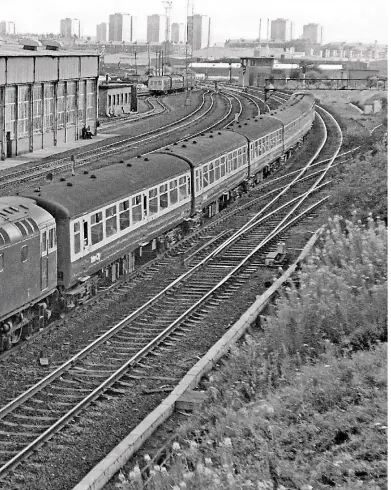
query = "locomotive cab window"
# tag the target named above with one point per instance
(24, 253)
(52, 239)
(44, 243)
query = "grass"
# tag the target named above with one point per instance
(305, 405)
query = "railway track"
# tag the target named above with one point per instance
(156, 108)
(210, 278)
(54, 167)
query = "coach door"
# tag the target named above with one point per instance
(44, 259)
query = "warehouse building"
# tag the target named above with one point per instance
(47, 96)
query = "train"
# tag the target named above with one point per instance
(60, 242)
(166, 84)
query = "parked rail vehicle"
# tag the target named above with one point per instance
(164, 84)
(59, 243)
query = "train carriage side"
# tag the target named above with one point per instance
(112, 219)
(297, 115)
(28, 267)
(177, 83)
(158, 85)
(219, 169)
(265, 144)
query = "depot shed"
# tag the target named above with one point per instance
(47, 95)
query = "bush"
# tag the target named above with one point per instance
(342, 297)
(362, 186)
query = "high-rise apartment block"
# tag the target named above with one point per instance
(121, 27)
(281, 30)
(70, 28)
(313, 33)
(156, 28)
(198, 31)
(101, 32)
(178, 33)
(7, 27)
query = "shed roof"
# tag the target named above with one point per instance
(16, 50)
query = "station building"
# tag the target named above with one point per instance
(117, 99)
(47, 96)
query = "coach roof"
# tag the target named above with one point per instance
(86, 192)
(257, 127)
(202, 149)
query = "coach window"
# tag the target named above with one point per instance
(163, 196)
(173, 192)
(111, 221)
(197, 180)
(153, 202)
(182, 188)
(205, 180)
(240, 157)
(1, 262)
(76, 238)
(44, 243)
(96, 228)
(126, 98)
(211, 173)
(235, 160)
(267, 143)
(124, 215)
(222, 167)
(24, 253)
(229, 162)
(136, 209)
(217, 169)
(109, 100)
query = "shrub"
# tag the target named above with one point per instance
(342, 296)
(361, 186)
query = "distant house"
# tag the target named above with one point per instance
(372, 106)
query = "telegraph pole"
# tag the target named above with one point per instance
(187, 98)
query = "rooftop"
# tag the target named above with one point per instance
(17, 50)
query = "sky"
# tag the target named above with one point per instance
(343, 20)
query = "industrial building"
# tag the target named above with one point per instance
(117, 99)
(47, 96)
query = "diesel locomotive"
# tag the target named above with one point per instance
(58, 243)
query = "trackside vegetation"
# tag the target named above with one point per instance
(302, 404)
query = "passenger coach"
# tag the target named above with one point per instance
(104, 217)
